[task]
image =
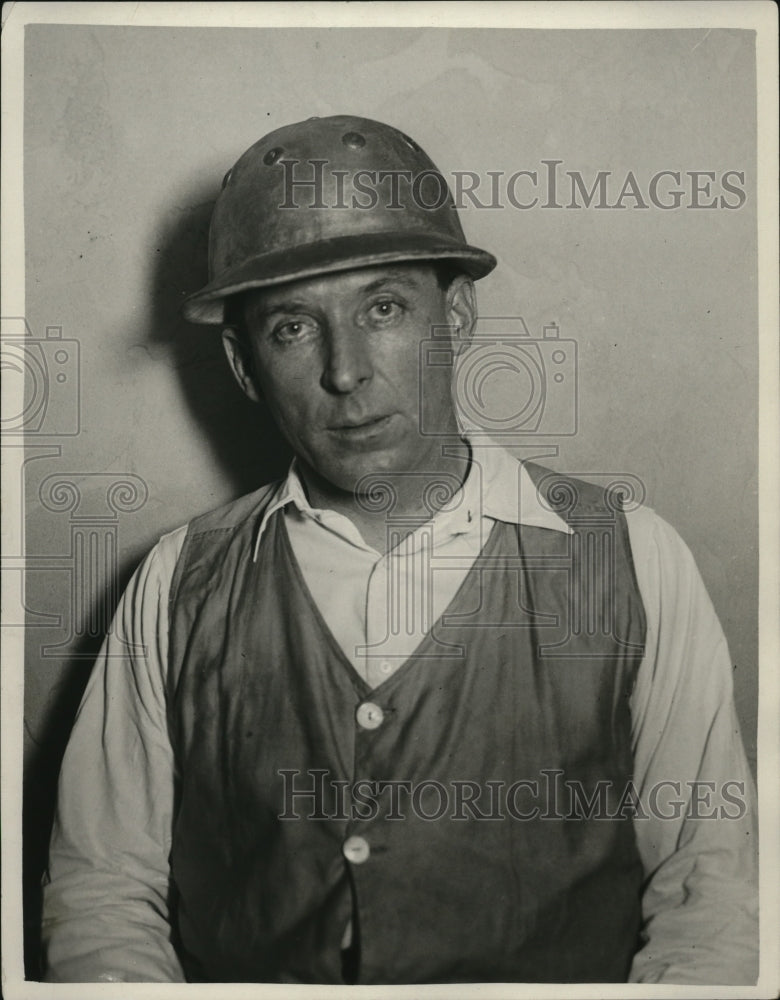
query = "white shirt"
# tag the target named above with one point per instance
(105, 909)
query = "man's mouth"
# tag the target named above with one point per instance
(351, 425)
(363, 428)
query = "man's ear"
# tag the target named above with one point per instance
(462, 310)
(239, 358)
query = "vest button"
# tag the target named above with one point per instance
(356, 850)
(370, 716)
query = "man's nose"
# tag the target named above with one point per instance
(348, 362)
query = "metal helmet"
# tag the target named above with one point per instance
(326, 195)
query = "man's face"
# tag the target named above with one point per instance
(337, 360)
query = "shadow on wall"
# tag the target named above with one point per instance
(247, 449)
(242, 437)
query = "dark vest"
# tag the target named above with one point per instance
(519, 695)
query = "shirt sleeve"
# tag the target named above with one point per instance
(695, 828)
(105, 897)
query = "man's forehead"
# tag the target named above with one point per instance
(356, 281)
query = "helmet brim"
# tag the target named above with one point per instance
(328, 257)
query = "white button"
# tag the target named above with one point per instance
(369, 715)
(386, 667)
(356, 850)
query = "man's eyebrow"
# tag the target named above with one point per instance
(391, 279)
(301, 305)
(288, 305)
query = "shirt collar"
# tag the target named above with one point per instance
(289, 491)
(509, 492)
(498, 486)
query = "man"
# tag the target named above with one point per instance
(418, 713)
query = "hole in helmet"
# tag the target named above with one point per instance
(272, 155)
(354, 140)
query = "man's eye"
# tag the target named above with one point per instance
(385, 310)
(292, 330)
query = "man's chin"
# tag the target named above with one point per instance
(357, 472)
(354, 465)
(356, 477)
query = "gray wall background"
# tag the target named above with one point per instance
(128, 133)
